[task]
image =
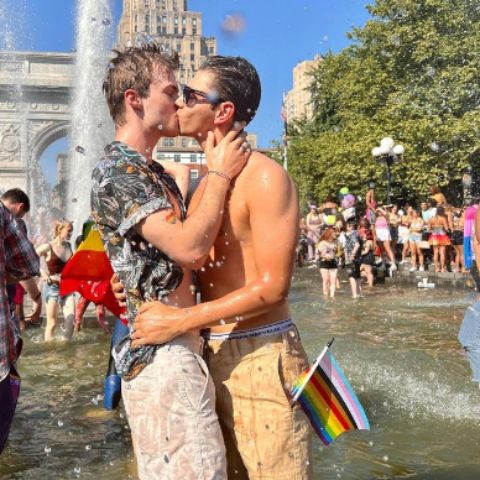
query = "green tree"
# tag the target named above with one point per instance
(412, 72)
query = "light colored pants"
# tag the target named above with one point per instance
(266, 437)
(170, 406)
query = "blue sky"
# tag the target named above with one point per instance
(278, 34)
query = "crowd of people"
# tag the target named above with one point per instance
(220, 369)
(363, 237)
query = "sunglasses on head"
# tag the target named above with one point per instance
(189, 94)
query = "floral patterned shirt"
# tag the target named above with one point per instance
(126, 190)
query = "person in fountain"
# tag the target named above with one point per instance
(152, 245)
(17, 203)
(56, 254)
(254, 351)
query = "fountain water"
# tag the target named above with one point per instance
(12, 28)
(92, 128)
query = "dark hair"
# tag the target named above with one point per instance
(440, 211)
(236, 80)
(134, 68)
(432, 202)
(16, 195)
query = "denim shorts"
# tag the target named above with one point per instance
(52, 292)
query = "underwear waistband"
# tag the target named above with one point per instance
(271, 329)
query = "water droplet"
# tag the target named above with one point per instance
(370, 443)
(202, 269)
(193, 289)
(210, 264)
(435, 147)
(80, 149)
(60, 423)
(385, 458)
(218, 264)
(88, 447)
(233, 25)
(47, 450)
(77, 470)
(160, 126)
(222, 322)
(211, 284)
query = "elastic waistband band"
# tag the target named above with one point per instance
(272, 329)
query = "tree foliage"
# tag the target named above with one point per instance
(412, 73)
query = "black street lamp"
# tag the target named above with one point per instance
(388, 153)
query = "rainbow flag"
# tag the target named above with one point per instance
(88, 272)
(328, 399)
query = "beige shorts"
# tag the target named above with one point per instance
(266, 437)
(171, 411)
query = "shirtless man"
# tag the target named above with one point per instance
(140, 214)
(254, 351)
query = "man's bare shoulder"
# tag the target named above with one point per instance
(262, 170)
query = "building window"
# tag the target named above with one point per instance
(192, 46)
(175, 20)
(194, 22)
(192, 57)
(184, 142)
(159, 30)
(164, 19)
(193, 158)
(194, 30)
(168, 142)
(184, 21)
(176, 157)
(175, 30)
(184, 31)
(193, 174)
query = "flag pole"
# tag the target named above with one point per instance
(312, 370)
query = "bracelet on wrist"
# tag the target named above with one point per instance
(220, 174)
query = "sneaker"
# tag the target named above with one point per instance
(412, 269)
(393, 267)
(421, 269)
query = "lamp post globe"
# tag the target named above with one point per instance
(388, 153)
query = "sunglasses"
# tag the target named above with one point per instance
(189, 94)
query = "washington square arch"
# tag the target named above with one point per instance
(35, 90)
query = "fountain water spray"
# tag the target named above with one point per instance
(91, 128)
(12, 28)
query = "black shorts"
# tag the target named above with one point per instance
(457, 237)
(394, 233)
(328, 264)
(353, 270)
(368, 259)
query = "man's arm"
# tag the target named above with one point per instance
(273, 215)
(187, 243)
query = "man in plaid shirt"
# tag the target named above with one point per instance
(18, 261)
